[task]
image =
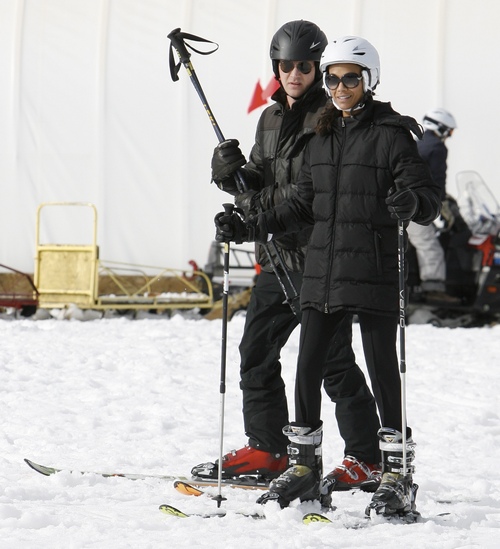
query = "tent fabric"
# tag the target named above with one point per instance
(89, 112)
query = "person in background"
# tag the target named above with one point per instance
(438, 125)
(270, 174)
(362, 175)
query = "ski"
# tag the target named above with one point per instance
(174, 512)
(247, 483)
(350, 524)
(187, 489)
(309, 518)
(314, 517)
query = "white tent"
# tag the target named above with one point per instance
(89, 112)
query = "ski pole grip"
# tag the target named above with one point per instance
(228, 208)
(178, 43)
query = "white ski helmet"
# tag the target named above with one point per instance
(439, 121)
(356, 50)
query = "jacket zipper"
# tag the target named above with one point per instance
(341, 151)
(377, 237)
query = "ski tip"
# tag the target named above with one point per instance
(187, 489)
(172, 511)
(314, 517)
(47, 471)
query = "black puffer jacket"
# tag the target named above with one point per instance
(274, 165)
(352, 259)
(433, 150)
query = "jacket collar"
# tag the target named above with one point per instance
(380, 113)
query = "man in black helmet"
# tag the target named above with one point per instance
(270, 174)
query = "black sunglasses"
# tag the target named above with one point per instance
(350, 80)
(305, 67)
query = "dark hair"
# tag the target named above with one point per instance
(326, 119)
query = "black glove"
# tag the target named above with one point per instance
(249, 202)
(232, 228)
(403, 204)
(227, 158)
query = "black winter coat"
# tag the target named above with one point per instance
(433, 150)
(352, 258)
(274, 165)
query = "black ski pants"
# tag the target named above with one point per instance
(378, 335)
(269, 323)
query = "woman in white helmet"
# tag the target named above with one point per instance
(361, 174)
(270, 174)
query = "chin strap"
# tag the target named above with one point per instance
(357, 107)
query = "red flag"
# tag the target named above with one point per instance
(260, 96)
(257, 100)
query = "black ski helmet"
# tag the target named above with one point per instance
(298, 41)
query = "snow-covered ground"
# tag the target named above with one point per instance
(142, 395)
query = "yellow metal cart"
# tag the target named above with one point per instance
(67, 274)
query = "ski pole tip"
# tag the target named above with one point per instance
(219, 499)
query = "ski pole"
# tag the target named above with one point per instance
(228, 210)
(177, 42)
(402, 323)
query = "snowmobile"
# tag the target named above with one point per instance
(471, 241)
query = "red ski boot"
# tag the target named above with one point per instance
(351, 475)
(247, 461)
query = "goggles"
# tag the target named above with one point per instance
(350, 80)
(305, 67)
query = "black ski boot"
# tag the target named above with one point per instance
(302, 479)
(395, 497)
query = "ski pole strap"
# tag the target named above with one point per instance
(177, 42)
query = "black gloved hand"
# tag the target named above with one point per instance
(227, 158)
(248, 202)
(232, 228)
(403, 204)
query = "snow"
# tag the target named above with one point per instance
(142, 395)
